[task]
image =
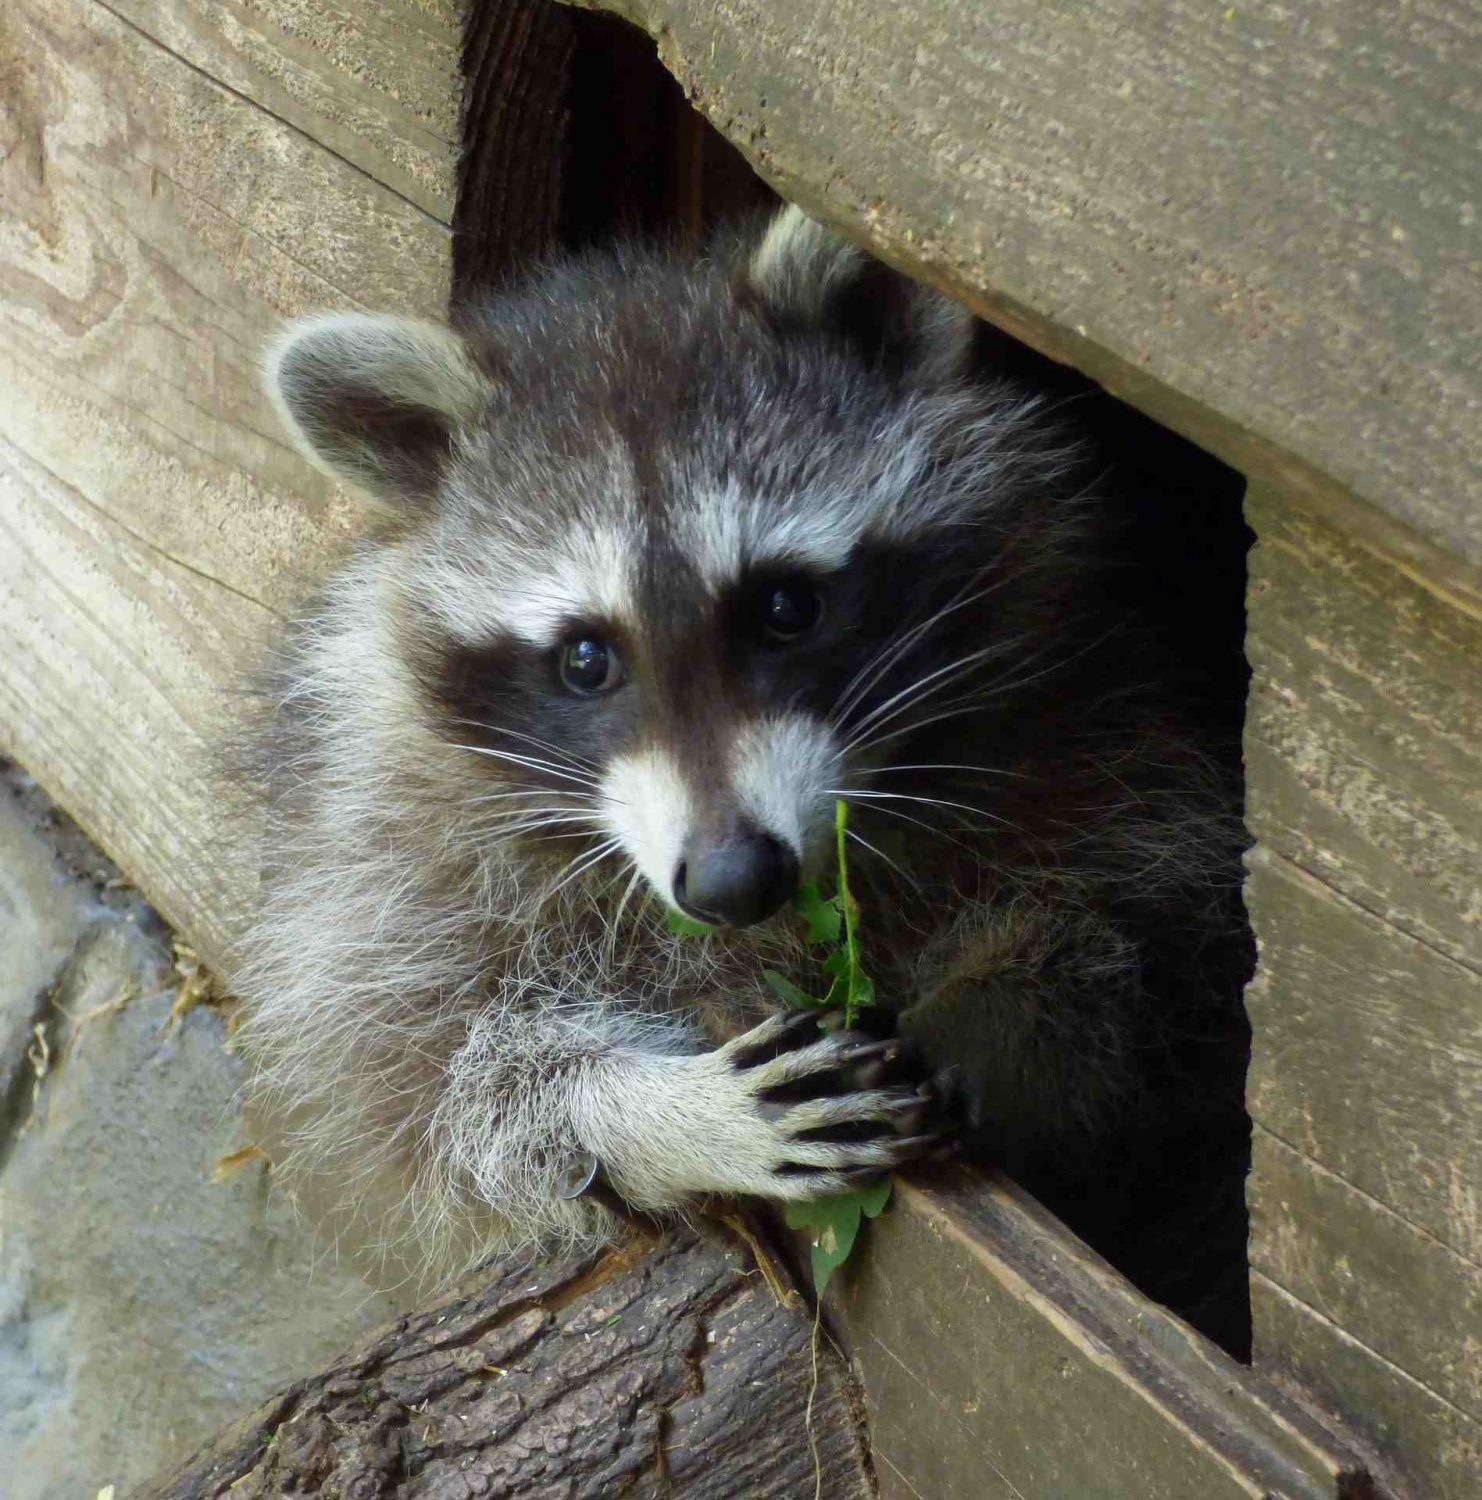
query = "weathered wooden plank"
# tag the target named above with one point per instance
(1364, 787)
(1368, 1052)
(157, 225)
(1000, 1356)
(378, 85)
(1366, 1221)
(1395, 1289)
(113, 112)
(1254, 222)
(1433, 1450)
(114, 654)
(1364, 728)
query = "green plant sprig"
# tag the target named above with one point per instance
(832, 922)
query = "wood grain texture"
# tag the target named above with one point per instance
(999, 1356)
(1368, 1053)
(1364, 789)
(376, 85)
(1256, 223)
(516, 61)
(666, 1369)
(157, 226)
(1432, 1450)
(1356, 1262)
(1364, 727)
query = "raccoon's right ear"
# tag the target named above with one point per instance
(805, 274)
(375, 400)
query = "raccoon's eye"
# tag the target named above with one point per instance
(790, 608)
(590, 666)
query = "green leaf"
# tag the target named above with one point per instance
(787, 991)
(858, 988)
(683, 926)
(822, 916)
(872, 1200)
(832, 1224)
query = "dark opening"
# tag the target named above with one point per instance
(638, 159)
(1183, 578)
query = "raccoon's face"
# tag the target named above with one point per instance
(686, 551)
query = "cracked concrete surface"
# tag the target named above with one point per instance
(144, 1303)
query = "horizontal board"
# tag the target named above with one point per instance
(377, 85)
(1435, 1450)
(1367, 1055)
(1395, 1289)
(1364, 728)
(1254, 222)
(1002, 1357)
(115, 657)
(155, 520)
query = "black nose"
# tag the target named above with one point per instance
(737, 881)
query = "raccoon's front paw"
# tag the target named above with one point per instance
(819, 1112)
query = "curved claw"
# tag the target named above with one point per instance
(887, 1051)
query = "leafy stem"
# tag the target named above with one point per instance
(831, 922)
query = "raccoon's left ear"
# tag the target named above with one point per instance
(805, 274)
(375, 401)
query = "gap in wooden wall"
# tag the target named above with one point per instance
(641, 159)
(634, 157)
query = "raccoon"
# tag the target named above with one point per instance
(674, 555)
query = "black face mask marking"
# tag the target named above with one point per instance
(783, 640)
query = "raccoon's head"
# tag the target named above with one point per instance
(687, 553)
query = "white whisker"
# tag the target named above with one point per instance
(529, 762)
(577, 762)
(928, 801)
(538, 791)
(971, 703)
(536, 825)
(860, 839)
(941, 766)
(614, 927)
(601, 852)
(943, 677)
(855, 689)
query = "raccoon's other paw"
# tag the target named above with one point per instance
(826, 1111)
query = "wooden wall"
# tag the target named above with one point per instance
(1256, 224)
(179, 176)
(1364, 757)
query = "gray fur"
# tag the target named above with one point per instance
(460, 969)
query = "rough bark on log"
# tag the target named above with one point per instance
(669, 1367)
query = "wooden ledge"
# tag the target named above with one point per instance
(999, 1354)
